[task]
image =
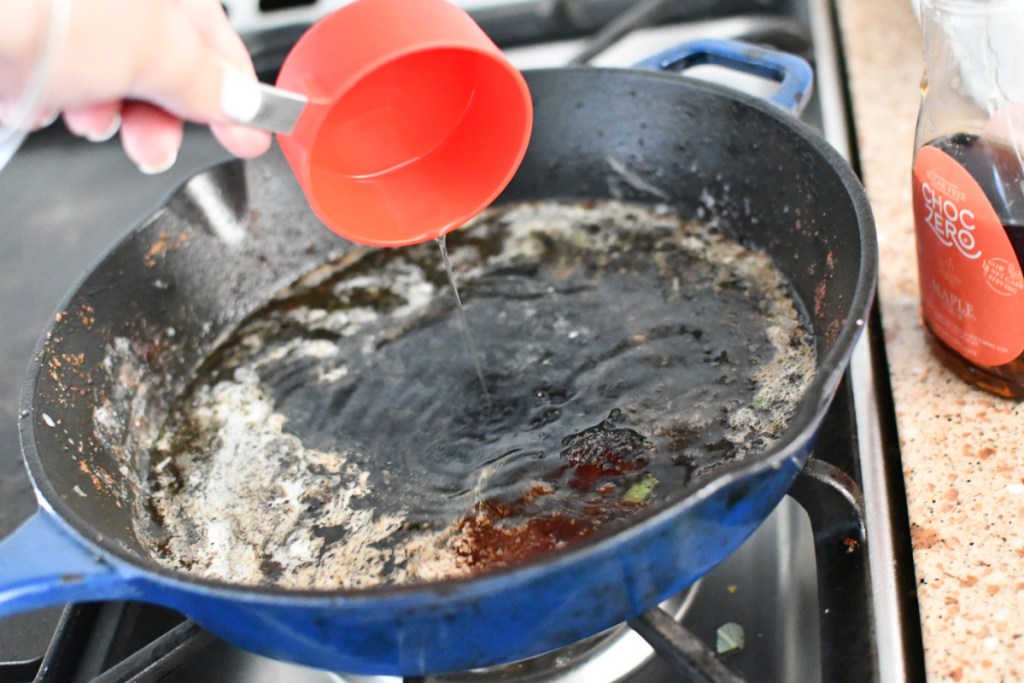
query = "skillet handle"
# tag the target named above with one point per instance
(42, 566)
(795, 75)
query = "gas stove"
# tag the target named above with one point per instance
(823, 590)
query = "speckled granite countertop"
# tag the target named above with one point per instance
(962, 449)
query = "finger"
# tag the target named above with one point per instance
(45, 119)
(180, 72)
(151, 136)
(193, 51)
(241, 141)
(162, 58)
(212, 23)
(97, 122)
(12, 116)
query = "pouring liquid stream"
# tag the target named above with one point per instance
(463, 323)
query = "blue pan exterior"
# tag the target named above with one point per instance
(446, 627)
(70, 552)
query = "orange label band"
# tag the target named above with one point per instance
(972, 290)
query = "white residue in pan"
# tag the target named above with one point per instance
(127, 417)
(255, 506)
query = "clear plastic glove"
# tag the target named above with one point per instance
(140, 67)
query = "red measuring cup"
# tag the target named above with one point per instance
(411, 120)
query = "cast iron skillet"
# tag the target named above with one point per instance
(232, 236)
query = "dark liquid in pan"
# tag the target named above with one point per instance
(341, 438)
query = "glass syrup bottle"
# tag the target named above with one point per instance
(968, 190)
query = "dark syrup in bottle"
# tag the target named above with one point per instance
(999, 171)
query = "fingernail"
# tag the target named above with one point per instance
(46, 119)
(159, 168)
(240, 97)
(110, 132)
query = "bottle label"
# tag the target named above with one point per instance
(972, 289)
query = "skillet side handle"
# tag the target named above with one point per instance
(795, 76)
(41, 566)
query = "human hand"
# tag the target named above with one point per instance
(138, 66)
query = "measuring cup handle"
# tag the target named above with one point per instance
(795, 76)
(260, 105)
(41, 566)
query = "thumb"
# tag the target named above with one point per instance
(214, 91)
(182, 72)
(171, 53)
(205, 74)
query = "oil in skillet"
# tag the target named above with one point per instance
(609, 391)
